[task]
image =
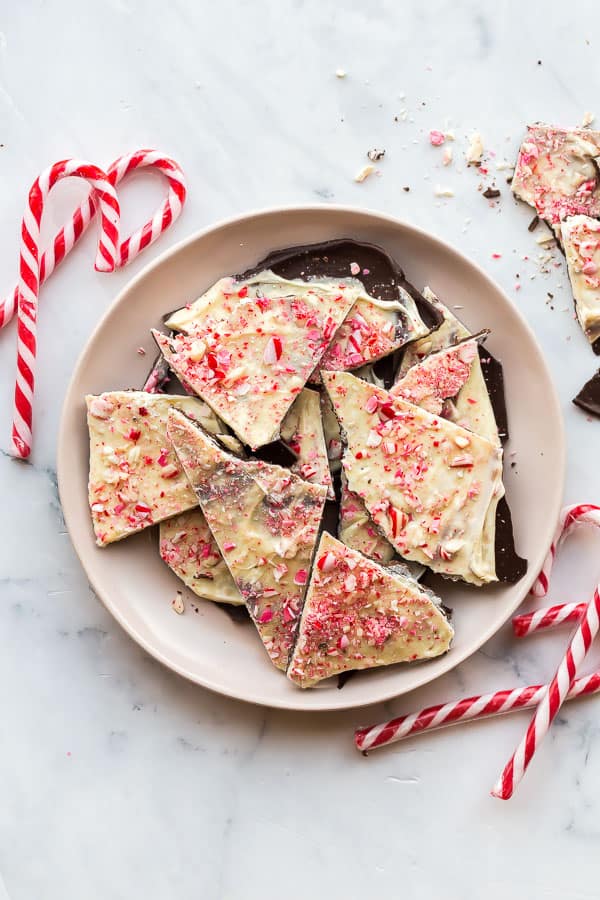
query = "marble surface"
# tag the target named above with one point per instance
(117, 778)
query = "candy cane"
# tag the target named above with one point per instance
(558, 689)
(466, 710)
(548, 617)
(67, 237)
(29, 270)
(571, 517)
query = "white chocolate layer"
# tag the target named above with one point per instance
(359, 615)
(135, 478)
(265, 521)
(189, 549)
(581, 241)
(427, 483)
(250, 353)
(557, 172)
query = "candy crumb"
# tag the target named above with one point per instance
(177, 603)
(436, 138)
(364, 173)
(141, 351)
(475, 149)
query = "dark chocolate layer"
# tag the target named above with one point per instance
(494, 382)
(510, 567)
(382, 279)
(588, 397)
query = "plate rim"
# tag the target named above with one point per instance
(62, 454)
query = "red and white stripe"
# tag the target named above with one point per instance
(29, 280)
(546, 698)
(548, 617)
(67, 237)
(571, 517)
(466, 710)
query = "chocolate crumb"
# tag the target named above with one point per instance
(407, 189)
(588, 397)
(534, 223)
(491, 193)
(375, 155)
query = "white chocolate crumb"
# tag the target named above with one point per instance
(364, 173)
(440, 191)
(177, 604)
(449, 135)
(447, 156)
(588, 118)
(340, 73)
(475, 149)
(544, 238)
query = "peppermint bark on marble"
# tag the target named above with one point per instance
(359, 615)
(135, 478)
(428, 484)
(557, 172)
(249, 352)
(265, 521)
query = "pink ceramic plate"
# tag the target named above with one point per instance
(137, 587)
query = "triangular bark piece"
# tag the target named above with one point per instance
(191, 552)
(471, 407)
(265, 521)
(251, 352)
(135, 478)
(359, 615)
(302, 430)
(428, 484)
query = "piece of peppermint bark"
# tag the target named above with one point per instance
(135, 478)
(427, 483)
(251, 352)
(359, 615)
(265, 521)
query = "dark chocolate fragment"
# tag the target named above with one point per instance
(494, 382)
(596, 346)
(534, 223)
(343, 678)
(588, 397)
(238, 614)
(380, 274)
(510, 567)
(277, 453)
(385, 368)
(491, 193)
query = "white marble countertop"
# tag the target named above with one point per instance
(117, 778)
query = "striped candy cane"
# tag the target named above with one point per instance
(29, 281)
(548, 617)
(68, 236)
(468, 709)
(558, 689)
